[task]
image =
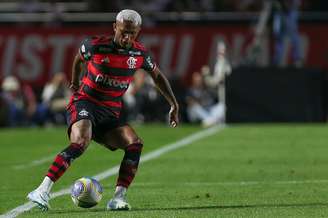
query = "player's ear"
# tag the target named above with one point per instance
(138, 30)
(114, 27)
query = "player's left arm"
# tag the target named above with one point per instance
(165, 89)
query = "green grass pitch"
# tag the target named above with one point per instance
(242, 171)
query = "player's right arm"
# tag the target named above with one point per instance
(84, 54)
(76, 72)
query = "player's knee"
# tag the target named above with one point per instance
(81, 132)
(81, 137)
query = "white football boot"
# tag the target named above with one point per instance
(118, 202)
(40, 198)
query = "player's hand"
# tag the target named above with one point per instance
(174, 116)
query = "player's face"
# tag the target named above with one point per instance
(125, 33)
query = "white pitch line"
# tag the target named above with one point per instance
(38, 161)
(34, 163)
(114, 170)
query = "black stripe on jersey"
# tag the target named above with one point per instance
(104, 86)
(114, 71)
(115, 109)
(104, 49)
(111, 49)
(99, 95)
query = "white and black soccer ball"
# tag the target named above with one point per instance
(86, 192)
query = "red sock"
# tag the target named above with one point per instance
(129, 165)
(57, 168)
(63, 160)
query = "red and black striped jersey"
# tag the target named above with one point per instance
(110, 70)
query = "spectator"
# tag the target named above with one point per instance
(55, 97)
(285, 24)
(133, 98)
(21, 103)
(222, 68)
(201, 106)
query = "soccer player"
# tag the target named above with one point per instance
(95, 106)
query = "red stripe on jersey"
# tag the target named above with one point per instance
(92, 69)
(93, 85)
(113, 104)
(119, 61)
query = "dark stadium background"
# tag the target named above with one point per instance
(270, 160)
(40, 38)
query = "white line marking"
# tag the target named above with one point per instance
(39, 161)
(113, 171)
(35, 162)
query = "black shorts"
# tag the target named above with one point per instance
(102, 118)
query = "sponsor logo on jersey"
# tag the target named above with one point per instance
(134, 53)
(106, 80)
(84, 113)
(132, 62)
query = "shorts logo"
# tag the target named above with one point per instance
(84, 113)
(132, 62)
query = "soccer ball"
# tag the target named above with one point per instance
(86, 192)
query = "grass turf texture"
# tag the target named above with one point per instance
(242, 171)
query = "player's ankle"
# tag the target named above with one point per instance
(46, 185)
(120, 192)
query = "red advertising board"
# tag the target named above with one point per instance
(34, 54)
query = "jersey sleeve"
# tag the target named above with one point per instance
(149, 63)
(86, 49)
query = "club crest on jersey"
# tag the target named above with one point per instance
(84, 113)
(132, 62)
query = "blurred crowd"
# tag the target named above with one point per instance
(21, 105)
(168, 5)
(202, 100)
